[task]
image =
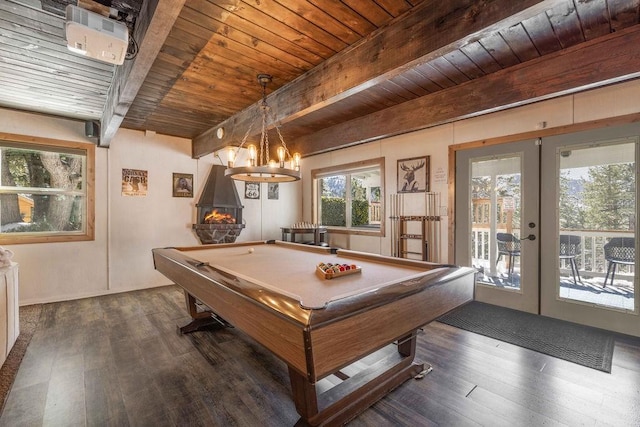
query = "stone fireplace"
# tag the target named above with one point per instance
(219, 210)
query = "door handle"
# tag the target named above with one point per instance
(529, 237)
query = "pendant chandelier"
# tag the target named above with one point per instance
(260, 167)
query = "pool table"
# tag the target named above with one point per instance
(320, 327)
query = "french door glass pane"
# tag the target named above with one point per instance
(496, 201)
(597, 220)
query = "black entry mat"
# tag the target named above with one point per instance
(569, 341)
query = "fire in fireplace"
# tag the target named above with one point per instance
(215, 217)
(219, 209)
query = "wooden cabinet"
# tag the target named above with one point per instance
(9, 314)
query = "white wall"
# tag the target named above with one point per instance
(139, 223)
(126, 227)
(600, 103)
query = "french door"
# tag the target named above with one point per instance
(576, 195)
(497, 221)
(589, 197)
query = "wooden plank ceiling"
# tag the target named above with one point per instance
(344, 71)
(206, 70)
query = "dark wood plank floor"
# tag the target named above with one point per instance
(117, 361)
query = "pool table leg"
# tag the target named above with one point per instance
(407, 345)
(354, 395)
(200, 320)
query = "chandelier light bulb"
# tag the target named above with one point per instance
(281, 154)
(252, 154)
(231, 157)
(296, 161)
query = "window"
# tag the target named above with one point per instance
(351, 197)
(46, 190)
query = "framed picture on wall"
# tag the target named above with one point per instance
(413, 175)
(134, 182)
(182, 185)
(251, 190)
(273, 191)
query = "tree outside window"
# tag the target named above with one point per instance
(603, 198)
(44, 191)
(333, 201)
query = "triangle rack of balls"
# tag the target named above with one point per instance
(330, 270)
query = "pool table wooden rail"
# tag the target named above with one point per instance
(318, 342)
(330, 337)
(291, 307)
(337, 344)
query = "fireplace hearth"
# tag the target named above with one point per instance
(219, 210)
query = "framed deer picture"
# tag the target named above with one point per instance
(413, 175)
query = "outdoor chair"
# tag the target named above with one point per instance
(619, 250)
(508, 245)
(570, 248)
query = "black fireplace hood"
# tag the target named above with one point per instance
(219, 191)
(219, 209)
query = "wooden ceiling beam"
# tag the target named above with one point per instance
(152, 28)
(431, 29)
(611, 59)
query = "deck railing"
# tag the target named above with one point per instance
(374, 213)
(591, 261)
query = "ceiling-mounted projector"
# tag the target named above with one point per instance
(95, 36)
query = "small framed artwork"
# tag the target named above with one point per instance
(134, 182)
(273, 191)
(413, 175)
(182, 185)
(251, 190)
